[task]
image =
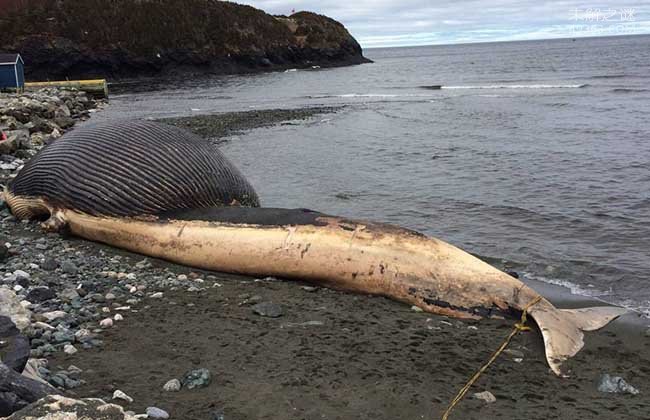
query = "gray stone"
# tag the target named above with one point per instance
(68, 294)
(156, 413)
(173, 385)
(486, 396)
(217, 415)
(615, 384)
(49, 264)
(69, 349)
(14, 347)
(268, 309)
(10, 306)
(120, 395)
(40, 294)
(63, 336)
(21, 275)
(198, 378)
(53, 315)
(69, 267)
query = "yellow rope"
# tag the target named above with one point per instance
(519, 326)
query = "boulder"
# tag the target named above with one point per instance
(10, 306)
(14, 347)
(17, 391)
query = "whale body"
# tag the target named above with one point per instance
(188, 219)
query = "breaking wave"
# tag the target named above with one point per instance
(517, 86)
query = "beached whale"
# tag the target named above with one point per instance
(361, 256)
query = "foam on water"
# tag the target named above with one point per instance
(537, 86)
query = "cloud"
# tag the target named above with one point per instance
(381, 23)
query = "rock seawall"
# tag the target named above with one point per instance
(130, 38)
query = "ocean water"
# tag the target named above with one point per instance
(534, 155)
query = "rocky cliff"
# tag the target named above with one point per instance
(131, 38)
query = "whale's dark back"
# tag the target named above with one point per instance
(129, 168)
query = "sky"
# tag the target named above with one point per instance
(386, 23)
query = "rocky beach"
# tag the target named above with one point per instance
(117, 335)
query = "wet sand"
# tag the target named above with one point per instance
(370, 359)
(335, 355)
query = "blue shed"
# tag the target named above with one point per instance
(12, 72)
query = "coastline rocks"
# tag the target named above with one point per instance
(32, 119)
(56, 407)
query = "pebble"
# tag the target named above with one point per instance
(40, 294)
(197, 378)
(310, 289)
(118, 317)
(615, 384)
(416, 309)
(514, 353)
(217, 415)
(20, 274)
(69, 349)
(69, 294)
(106, 323)
(268, 309)
(182, 277)
(69, 267)
(173, 385)
(486, 396)
(119, 395)
(157, 295)
(49, 264)
(156, 413)
(53, 315)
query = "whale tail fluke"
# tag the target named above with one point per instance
(562, 329)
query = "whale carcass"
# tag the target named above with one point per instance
(163, 192)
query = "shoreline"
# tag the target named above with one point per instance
(329, 355)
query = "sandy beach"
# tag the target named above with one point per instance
(329, 355)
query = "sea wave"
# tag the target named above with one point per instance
(370, 95)
(578, 86)
(575, 289)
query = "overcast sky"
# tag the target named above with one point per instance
(381, 23)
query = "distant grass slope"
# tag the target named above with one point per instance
(126, 38)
